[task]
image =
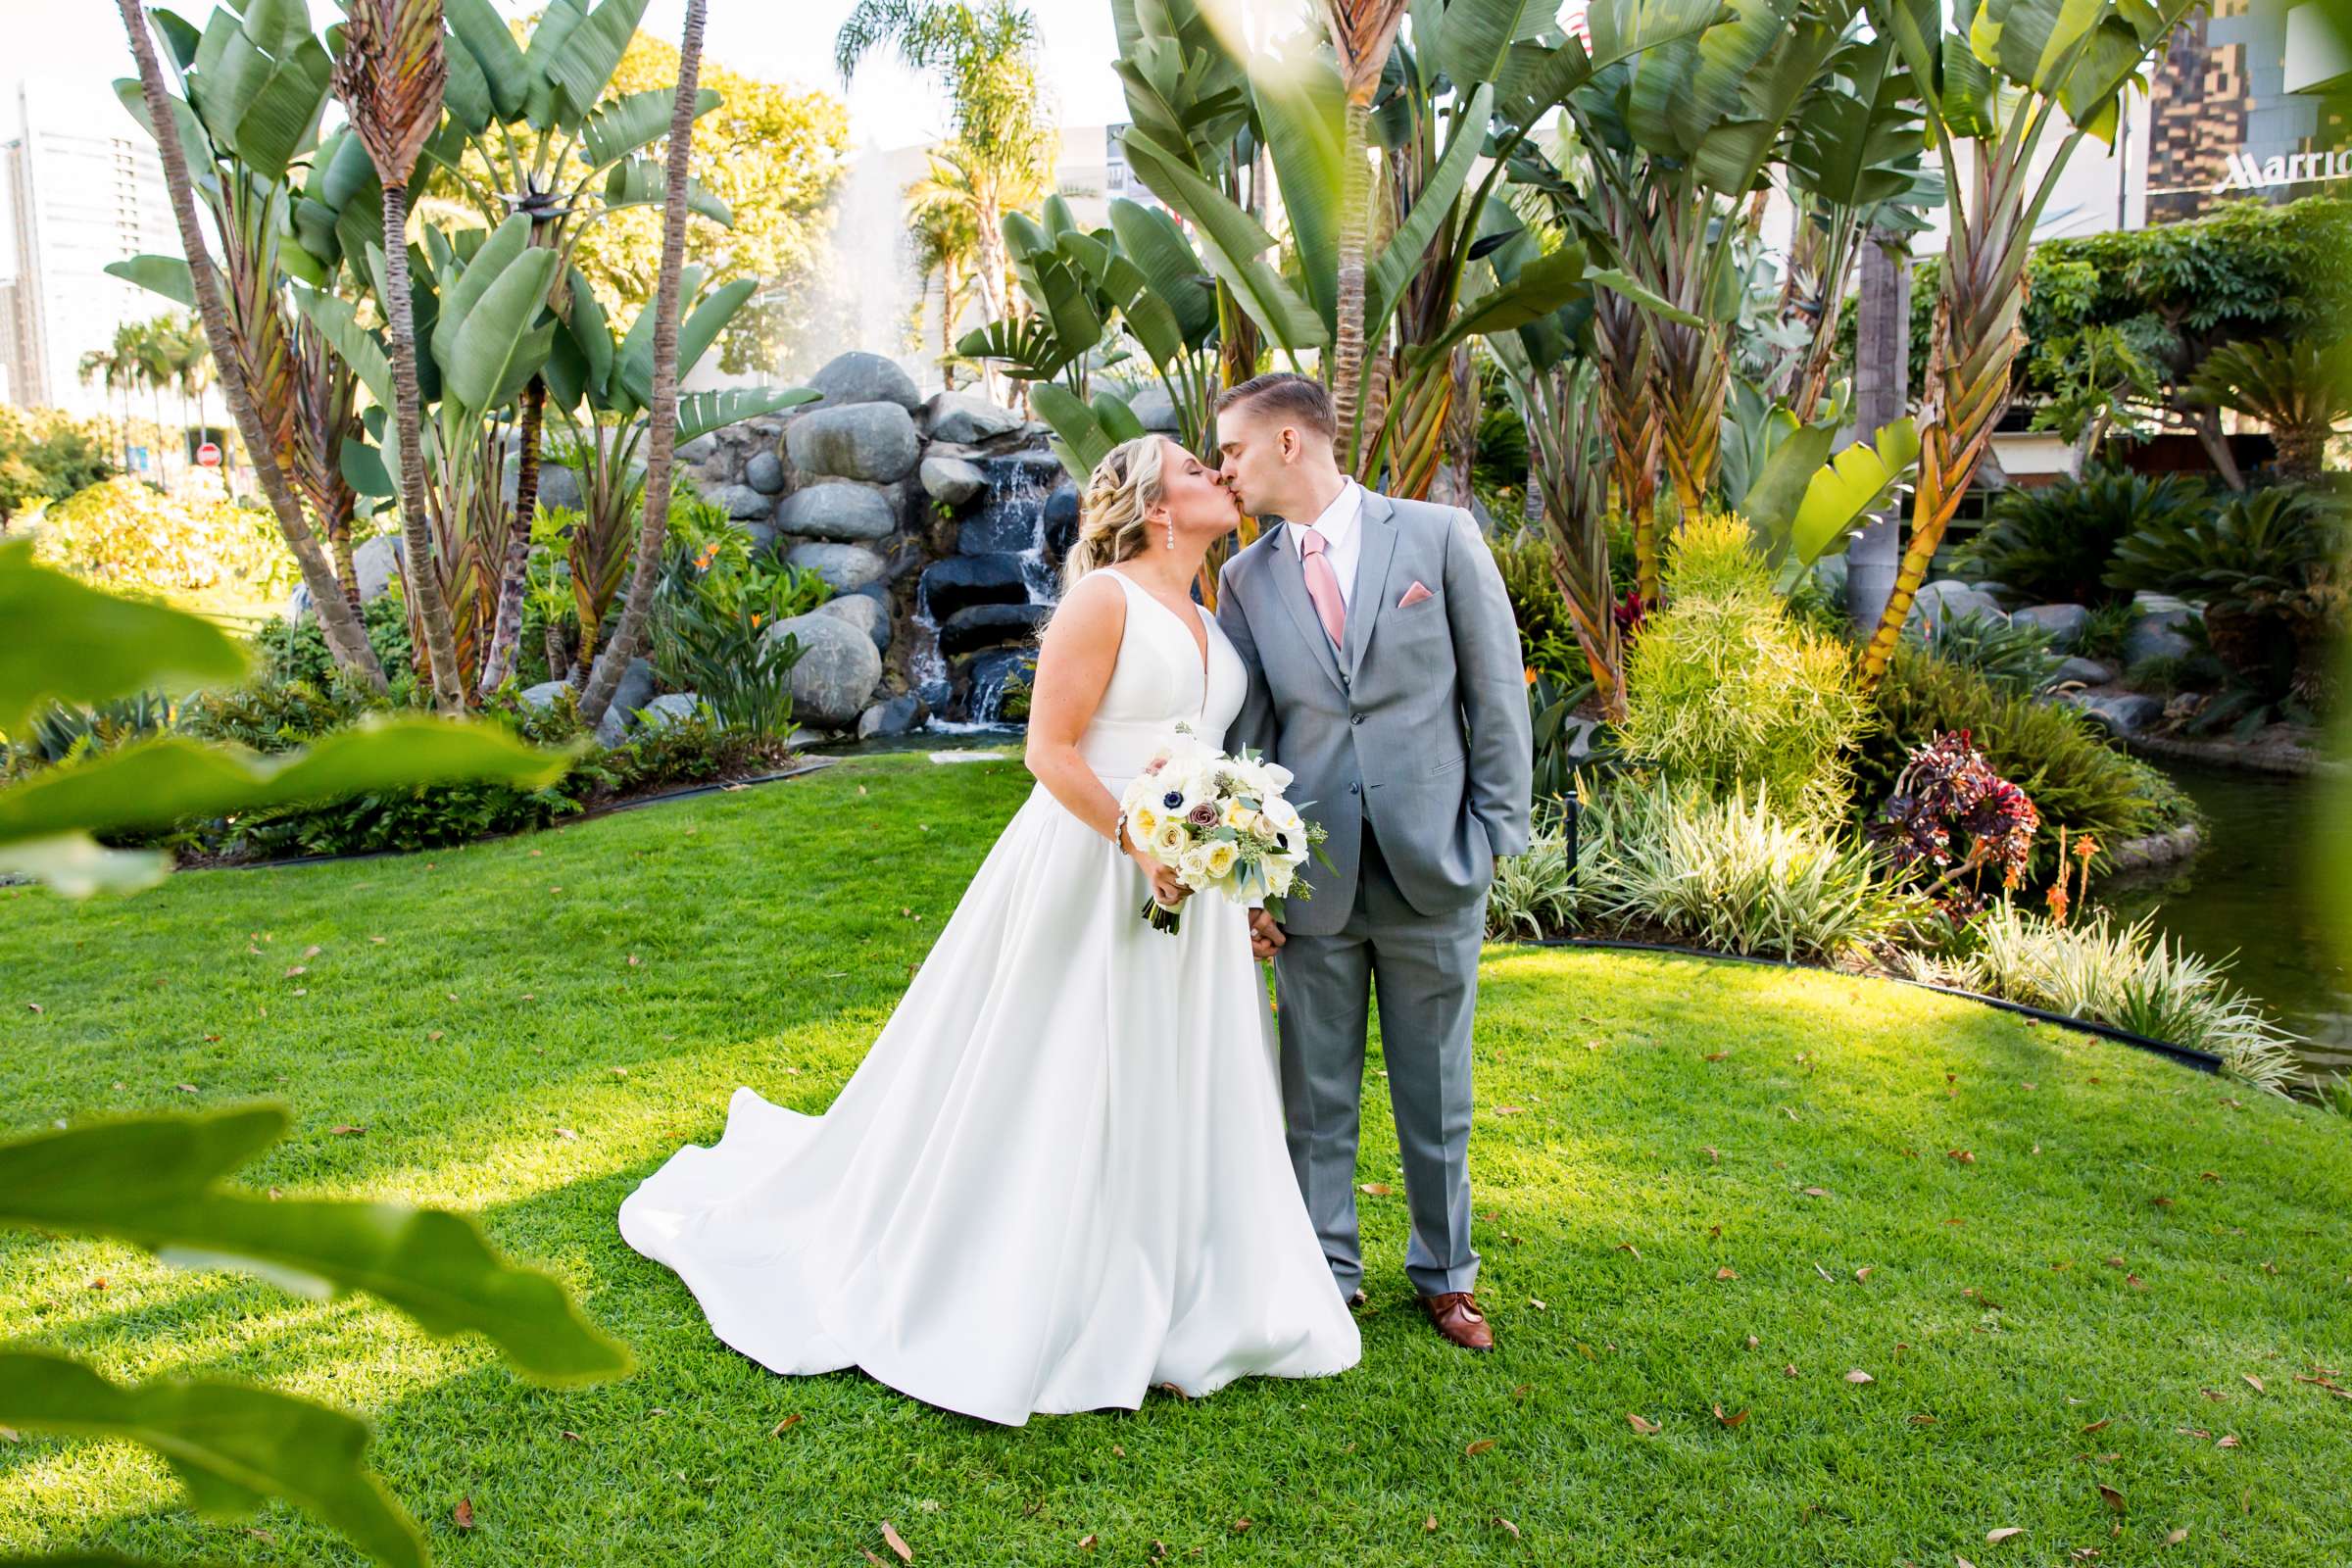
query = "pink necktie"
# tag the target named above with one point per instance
(1323, 586)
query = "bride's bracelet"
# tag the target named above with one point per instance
(1118, 831)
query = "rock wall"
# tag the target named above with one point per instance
(939, 522)
(948, 516)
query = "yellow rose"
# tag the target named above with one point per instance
(1218, 862)
(1168, 838)
(1240, 816)
(1143, 822)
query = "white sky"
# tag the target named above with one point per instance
(71, 50)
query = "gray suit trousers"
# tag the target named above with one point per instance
(1426, 971)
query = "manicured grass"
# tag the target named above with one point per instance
(1645, 1125)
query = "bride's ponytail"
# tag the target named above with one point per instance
(1112, 524)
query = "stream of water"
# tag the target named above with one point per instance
(2250, 893)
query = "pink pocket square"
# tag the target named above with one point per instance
(1414, 595)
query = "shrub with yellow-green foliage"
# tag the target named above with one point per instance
(128, 536)
(1724, 689)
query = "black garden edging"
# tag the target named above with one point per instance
(2185, 1056)
(811, 764)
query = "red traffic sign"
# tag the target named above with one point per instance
(209, 454)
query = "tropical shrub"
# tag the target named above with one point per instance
(1732, 874)
(1659, 859)
(46, 455)
(2123, 976)
(2270, 570)
(2106, 632)
(128, 536)
(2013, 655)
(1546, 638)
(2059, 758)
(1726, 690)
(2053, 544)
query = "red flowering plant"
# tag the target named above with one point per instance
(1951, 818)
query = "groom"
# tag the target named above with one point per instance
(1384, 675)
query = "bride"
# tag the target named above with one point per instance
(1058, 1177)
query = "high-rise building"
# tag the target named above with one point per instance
(75, 194)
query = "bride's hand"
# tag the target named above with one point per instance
(1166, 886)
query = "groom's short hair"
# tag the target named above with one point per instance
(1300, 399)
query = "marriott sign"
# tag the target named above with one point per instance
(2288, 169)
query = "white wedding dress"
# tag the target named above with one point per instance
(1058, 1177)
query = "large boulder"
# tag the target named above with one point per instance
(2063, 622)
(2123, 713)
(543, 696)
(662, 711)
(376, 563)
(856, 441)
(2160, 634)
(990, 626)
(953, 480)
(958, 582)
(864, 611)
(2081, 671)
(861, 377)
(1061, 522)
(765, 473)
(900, 716)
(960, 417)
(1155, 410)
(1948, 599)
(837, 508)
(842, 567)
(636, 689)
(741, 502)
(838, 668)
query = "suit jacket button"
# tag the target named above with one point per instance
(1355, 719)
(1352, 789)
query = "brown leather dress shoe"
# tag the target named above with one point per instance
(1456, 1316)
(1357, 1299)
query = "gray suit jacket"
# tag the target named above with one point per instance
(1419, 722)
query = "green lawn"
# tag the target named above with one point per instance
(1725, 1185)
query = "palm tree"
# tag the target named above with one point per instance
(1002, 143)
(1362, 31)
(112, 371)
(2301, 389)
(943, 219)
(391, 79)
(345, 636)
(637, 609)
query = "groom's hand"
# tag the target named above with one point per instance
(1265, 936)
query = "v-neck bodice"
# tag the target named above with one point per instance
(1162, 679)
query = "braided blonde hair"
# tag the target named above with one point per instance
(1114, 520)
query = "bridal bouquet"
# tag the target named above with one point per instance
(1219, 822)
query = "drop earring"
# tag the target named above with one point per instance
(1171, 530)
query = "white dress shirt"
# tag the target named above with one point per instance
(1343, 538)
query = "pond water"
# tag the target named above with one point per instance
(2249, 893)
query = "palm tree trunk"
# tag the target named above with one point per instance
(506, 635)
(416, 524)
(345, 637)
(1882, 394)
(637, 607)
(1348, 335)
